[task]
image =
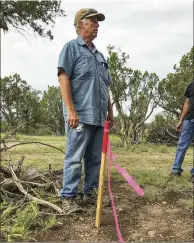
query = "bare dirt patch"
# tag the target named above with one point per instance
(139, 220)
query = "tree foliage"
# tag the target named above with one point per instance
(19, 102)
(39, 16)
(134, 94)
(52, 110)
(173, 87)
(29, 108)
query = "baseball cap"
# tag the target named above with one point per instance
(86, 13)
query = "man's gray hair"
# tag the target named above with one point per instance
(77, 27)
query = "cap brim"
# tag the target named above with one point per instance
(100, 16)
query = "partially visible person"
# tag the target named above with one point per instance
(186, 127)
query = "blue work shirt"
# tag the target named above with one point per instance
(89, 79)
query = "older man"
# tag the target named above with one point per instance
(84, 83)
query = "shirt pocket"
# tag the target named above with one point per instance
(103, 71)
(84, 65)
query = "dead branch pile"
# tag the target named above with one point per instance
(163, 135)
(19, 183)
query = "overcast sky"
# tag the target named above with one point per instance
(155, 33)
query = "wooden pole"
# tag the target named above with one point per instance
(101, 176)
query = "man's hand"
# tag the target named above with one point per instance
(183, 115)
(110, 118)
(179, 126)
(72, 118)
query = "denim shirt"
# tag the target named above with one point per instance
(89, 80)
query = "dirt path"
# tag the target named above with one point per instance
(139, 221)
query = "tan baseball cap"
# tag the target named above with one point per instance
(86, 13)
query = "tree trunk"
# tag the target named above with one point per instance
(123, 133)
(27, 128)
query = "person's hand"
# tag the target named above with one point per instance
(110, 118)
(179, 126)
(72, 118)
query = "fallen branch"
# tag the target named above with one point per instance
(32, 198)
(18, 167)
(5, 149)
(11, 194)
(29, 183)
(170, 134)
(53, 214)
(36, 194)
(54, 173)
(53, 183)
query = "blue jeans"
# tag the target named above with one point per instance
(84, 142)
(185, 140)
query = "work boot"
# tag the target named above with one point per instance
(174, 174)
(91, 198)
(70, 205)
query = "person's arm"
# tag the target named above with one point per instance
(64, 83)
(110, 116)
(183, 115)
(66, 65)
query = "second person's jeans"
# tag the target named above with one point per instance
(185, 140)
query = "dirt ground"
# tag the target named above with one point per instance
(139, 220)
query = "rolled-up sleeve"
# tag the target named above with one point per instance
(66, 60)
(187, 92)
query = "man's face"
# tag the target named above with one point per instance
(89, 27)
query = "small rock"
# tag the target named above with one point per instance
(135, 235)
(151, 233)
(120, 209)
(141, 239)
(59, 223)
(82, 219)
(164, 203)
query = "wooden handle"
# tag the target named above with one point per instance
(101, 176)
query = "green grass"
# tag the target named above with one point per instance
(188, 203)
(149, 164)
(40, 156)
